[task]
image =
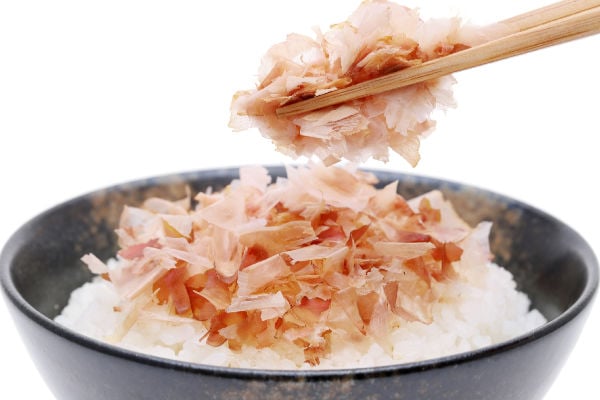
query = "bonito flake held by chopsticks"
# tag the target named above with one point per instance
(318, 258)
(378, 38)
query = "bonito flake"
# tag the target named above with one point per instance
(320, 257)
(380, 37)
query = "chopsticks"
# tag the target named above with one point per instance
(550, 25)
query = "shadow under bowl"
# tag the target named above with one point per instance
(40, 266)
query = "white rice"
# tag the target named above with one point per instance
(479, 309)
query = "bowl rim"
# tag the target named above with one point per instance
(12, 294)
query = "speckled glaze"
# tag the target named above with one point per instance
(40, 266)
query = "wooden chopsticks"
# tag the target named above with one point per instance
(554, 24)
(549, 13)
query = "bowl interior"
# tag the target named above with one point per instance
(551, 263)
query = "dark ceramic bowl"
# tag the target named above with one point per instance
(40, 267)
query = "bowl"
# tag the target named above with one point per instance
(40, 266)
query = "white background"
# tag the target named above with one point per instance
(97, 93)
